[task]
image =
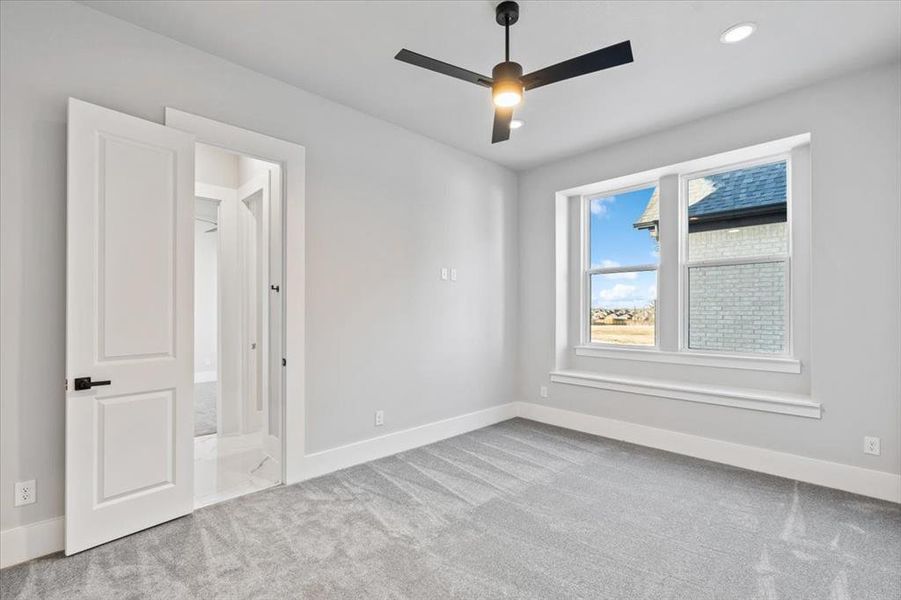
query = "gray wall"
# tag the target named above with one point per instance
(386, 208)
(852, 368)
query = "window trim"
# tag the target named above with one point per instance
(684, 264)
(677, 350)
(586, 271)
(695, 358)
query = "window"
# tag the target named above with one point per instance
(735, 272)
(621, 274)
(708, 242)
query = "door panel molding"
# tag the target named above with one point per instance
(129, 320)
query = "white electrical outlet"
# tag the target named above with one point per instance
(379, 418)
(26, 493)
(542, 391)
(871, 445)
(453, 273)
(443, 273)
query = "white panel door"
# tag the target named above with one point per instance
(129, 320)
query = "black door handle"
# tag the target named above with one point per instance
(85, 383)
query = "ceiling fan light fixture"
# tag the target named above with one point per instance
(506, 96)
(507, 88)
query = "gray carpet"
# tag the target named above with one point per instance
(204, 408)
(517, 510)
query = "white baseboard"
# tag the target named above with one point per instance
(20, 544)
(45, 537)
(205, 376)
(327, 461)
(867, 482)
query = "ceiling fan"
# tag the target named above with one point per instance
(507, 82)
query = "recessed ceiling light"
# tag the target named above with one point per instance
(516, 123)
(737, 33)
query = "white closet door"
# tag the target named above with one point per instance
(129, 315)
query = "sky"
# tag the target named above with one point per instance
(615, 242)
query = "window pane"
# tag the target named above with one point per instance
(623, 308)
(737, 308)
(738, 213)
(623, 229)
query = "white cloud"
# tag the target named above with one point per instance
(599, 205)
(624, 295)
(620, 291)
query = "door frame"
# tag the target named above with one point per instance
(217, 195)
(291, 158)
(257, 185)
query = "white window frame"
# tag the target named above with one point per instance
(587, 270)
(685, 263)
(671, 309)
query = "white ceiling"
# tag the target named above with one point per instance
(344, 51)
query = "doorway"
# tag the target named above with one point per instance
(237, 395)
(130, 443)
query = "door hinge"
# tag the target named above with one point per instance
(274, 287)
(284, 363)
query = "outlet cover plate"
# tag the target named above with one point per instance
(26, 493)
(871, 445)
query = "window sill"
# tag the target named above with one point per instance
(754, 363)
(773, 402)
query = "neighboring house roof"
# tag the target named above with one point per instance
(744, 191)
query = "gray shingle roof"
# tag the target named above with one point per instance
(751, 188)
(754, 187)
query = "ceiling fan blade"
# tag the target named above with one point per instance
(444, 68)
(611, 56)
(501, 131)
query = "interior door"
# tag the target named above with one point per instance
(129, 316)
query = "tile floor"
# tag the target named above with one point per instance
(231, 466)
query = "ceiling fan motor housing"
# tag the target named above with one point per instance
(507, 13)
(507, 71)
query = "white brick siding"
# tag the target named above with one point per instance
(739, 308)
(756, 240)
